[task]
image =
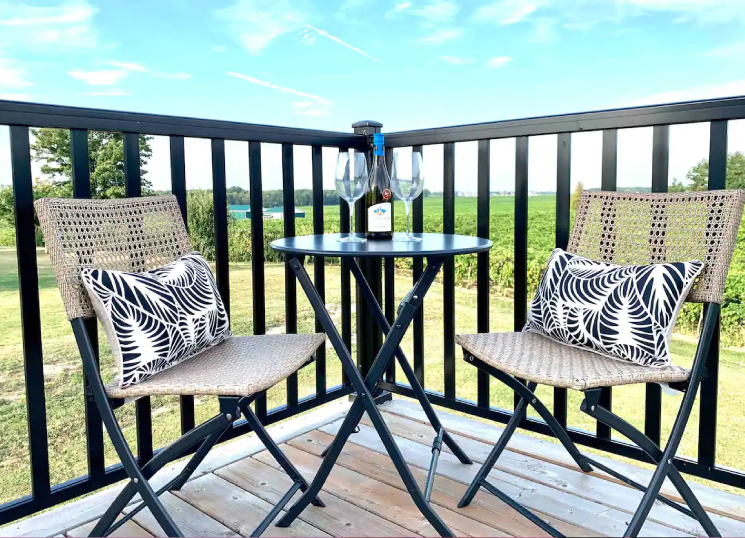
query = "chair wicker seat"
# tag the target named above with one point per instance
(239, 366)
(544, 361)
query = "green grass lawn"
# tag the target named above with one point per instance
(63, 372)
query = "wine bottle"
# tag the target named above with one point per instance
(378, 198)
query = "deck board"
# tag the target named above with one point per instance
(365, 496)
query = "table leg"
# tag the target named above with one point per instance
(364, 401)
(433, 264)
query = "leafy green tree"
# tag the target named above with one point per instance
(576, 195)
(698, 175)
(105, 159)
(676, 186)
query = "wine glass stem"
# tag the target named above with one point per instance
(407, 205)
(351, 217)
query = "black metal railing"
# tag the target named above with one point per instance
(22, 116)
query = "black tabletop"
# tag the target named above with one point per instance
(431, 245)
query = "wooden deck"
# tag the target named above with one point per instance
(239, 483)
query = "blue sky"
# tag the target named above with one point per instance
(409, 64)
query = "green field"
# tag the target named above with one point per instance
(63, 373)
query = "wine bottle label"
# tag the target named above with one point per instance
(379, 217)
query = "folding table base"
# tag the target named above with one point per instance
(367, 387)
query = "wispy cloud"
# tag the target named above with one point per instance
(53, 28)
(313, 105)
(115, 92)
(256, 23)
(13, 75)
(259, 82)
(397, 9)
(127, 66)
(709, 91)
(173, 76)
(99, 78)
(442, 35)
(505, 11)
(735, 50)
(499, 61)
(438, 12)
(335, 39)
(456, 60)
(218, 48)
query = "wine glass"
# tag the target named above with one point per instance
(351, 184)
(407, 182)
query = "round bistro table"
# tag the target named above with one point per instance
(436, 248)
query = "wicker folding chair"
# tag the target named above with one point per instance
(622, 228)
(139, 234)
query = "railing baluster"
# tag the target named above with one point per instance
(319, 268)
(133, 189)
(28, 287)
(707, 428)
(257, 252)
(178, 188)
(563, 216)
(660, 160)
(81, 188)
(417, 226)
(390, 287)
(220, 205)
(609, 173)
(520, 308)
(448, 274)
(482, 269)
(288, 203)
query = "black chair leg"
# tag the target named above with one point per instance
(275, 451)
(491, 460)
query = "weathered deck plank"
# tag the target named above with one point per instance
(364, 496)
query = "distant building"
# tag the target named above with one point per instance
(243, 212)
(240, 212)
(274, 213)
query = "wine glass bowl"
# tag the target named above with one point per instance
(351, 184)
(407, 183)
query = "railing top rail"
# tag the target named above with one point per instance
(644, 116)
(66, 117)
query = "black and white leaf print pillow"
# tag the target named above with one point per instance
(158, 318)
(621, 311)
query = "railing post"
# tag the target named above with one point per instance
(369, 335)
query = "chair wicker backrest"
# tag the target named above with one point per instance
(130, 234)
(640, 228)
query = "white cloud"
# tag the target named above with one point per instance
(218, 48)
(58, 27)
(456, 60)
(335, 39)
(115, 92)
(256, 23)
(499, 61)
(173, 76)
(442, 35)
(710, 91)
(438, 12)
(99, 78)
(398, 8)
(735, 50)
(13, 75)
(127, 66)
(314, 105)
(505, 11)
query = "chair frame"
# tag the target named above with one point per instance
(591, 405)
(200, 438)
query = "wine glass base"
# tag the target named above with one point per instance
(407, 238)
(351, 239)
